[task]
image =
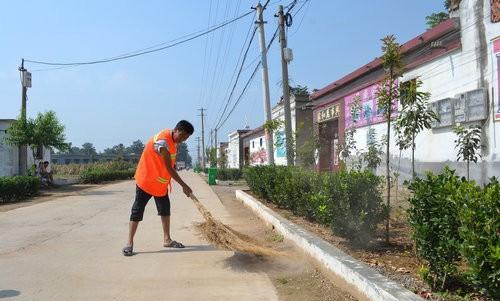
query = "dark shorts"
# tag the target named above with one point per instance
(142, 198)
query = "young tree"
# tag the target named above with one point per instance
(387, 96)
(372, 156)
(212, 156)
(468, 143)
(414, 117)
(44, 130)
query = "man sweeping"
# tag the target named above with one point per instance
(153, 179)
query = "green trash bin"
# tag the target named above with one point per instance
(212, 176)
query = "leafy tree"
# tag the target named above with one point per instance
(88, 149)
(468, 144)
(435, 18)
(118, 150)
(414, 117)
(183, 153)
(211, 156)
(44, 130)
(135, 148)
(387, 95)
(299, 91)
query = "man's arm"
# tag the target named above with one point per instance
(172, 172)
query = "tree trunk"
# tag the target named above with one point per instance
(413, 156)
(387, 157)
(468, 175)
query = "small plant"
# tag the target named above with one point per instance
(434, 219)
(468, 144)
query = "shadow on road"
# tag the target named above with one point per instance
(9, 293)
(192, 248)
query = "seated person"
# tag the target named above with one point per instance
(46, 173)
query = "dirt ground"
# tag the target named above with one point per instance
(295, 277)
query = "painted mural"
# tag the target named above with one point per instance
(367, 112)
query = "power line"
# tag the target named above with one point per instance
(248, 82)
(237, 77)
(141, 52)
(237, 64)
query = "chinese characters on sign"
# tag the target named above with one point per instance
(367, 111)
(328, 113)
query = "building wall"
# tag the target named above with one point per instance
(258, 147)
(301, 120)
(9, 155)
(447, 76)
(233, 150)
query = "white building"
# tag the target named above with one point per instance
(458, 62)
(301, 121)
(9, 154)
(234, 150)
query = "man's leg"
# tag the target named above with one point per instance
(132, 228)
(163, 206)
(136, 215)
(165, 222)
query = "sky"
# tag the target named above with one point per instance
(122, 101)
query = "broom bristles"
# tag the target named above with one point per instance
(226, 238)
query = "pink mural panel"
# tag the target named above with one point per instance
(369, 112)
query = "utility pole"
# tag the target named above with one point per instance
(198, 149)
(25, 84)
(265, 83)
(286, 88)
(211, 138)
(202, 136)
(216, 146)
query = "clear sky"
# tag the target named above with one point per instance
(132, 99)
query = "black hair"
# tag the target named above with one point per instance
(185, 126)
(46, 162)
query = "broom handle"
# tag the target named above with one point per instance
(206, 214)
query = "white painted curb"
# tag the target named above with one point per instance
(372, 284)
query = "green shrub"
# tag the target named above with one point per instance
(229, 174)
(480, 232)
(434, 218)
(359, 206)
(349, 202)
(18, 187)
(95, 176)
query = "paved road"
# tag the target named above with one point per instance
(70, 249)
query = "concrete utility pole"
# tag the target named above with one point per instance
(198, 149)
(25, 83)
(202, 136)
(216, 146)
(286, 89)
(265, 82)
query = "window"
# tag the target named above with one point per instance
(253, 144)
(261, 142)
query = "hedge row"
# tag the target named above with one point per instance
(229, 174)
(95, 176)
(348, 201)
(18, 187)
(453, 219)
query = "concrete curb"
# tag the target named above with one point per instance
(372, 284)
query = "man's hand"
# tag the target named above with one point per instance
(187, 190)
